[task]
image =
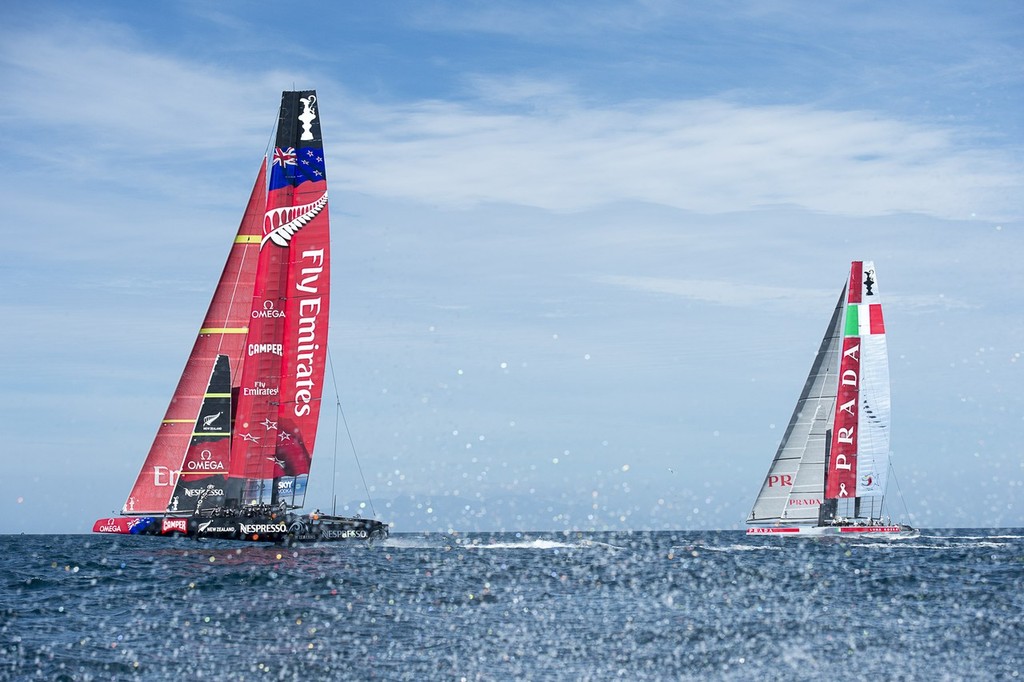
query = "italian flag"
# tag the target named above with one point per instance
(863, 319)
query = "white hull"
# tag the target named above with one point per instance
(835, 531)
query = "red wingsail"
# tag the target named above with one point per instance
(222, 333)
(286, 348)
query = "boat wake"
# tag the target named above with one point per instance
(536, 544)
(484, 542)
(411, 541)
(731, 548)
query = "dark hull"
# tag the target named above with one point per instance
(284, 528)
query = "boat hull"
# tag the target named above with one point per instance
(894, 531)
(283, 529)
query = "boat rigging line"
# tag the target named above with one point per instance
(348, 432)
(899, 491)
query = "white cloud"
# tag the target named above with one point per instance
(93, 83)
(523, 140)
(738, 294)
(720, 292)
(705, 155)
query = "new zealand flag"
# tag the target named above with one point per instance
(290, 166)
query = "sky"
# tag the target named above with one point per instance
(584, 252)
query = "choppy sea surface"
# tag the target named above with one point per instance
(533, 606)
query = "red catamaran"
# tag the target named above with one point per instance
(829, 474)
(231, 458)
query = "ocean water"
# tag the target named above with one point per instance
(531, 606)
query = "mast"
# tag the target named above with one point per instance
(829, 508)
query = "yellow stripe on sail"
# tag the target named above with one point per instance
(247, 239)
(211, 435)
(217, 395)
(178, 421)
(224, 330)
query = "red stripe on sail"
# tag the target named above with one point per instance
(877, 324)
(856, 279)
(841, 477)
(254, 437)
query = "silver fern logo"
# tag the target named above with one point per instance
(281, 224)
